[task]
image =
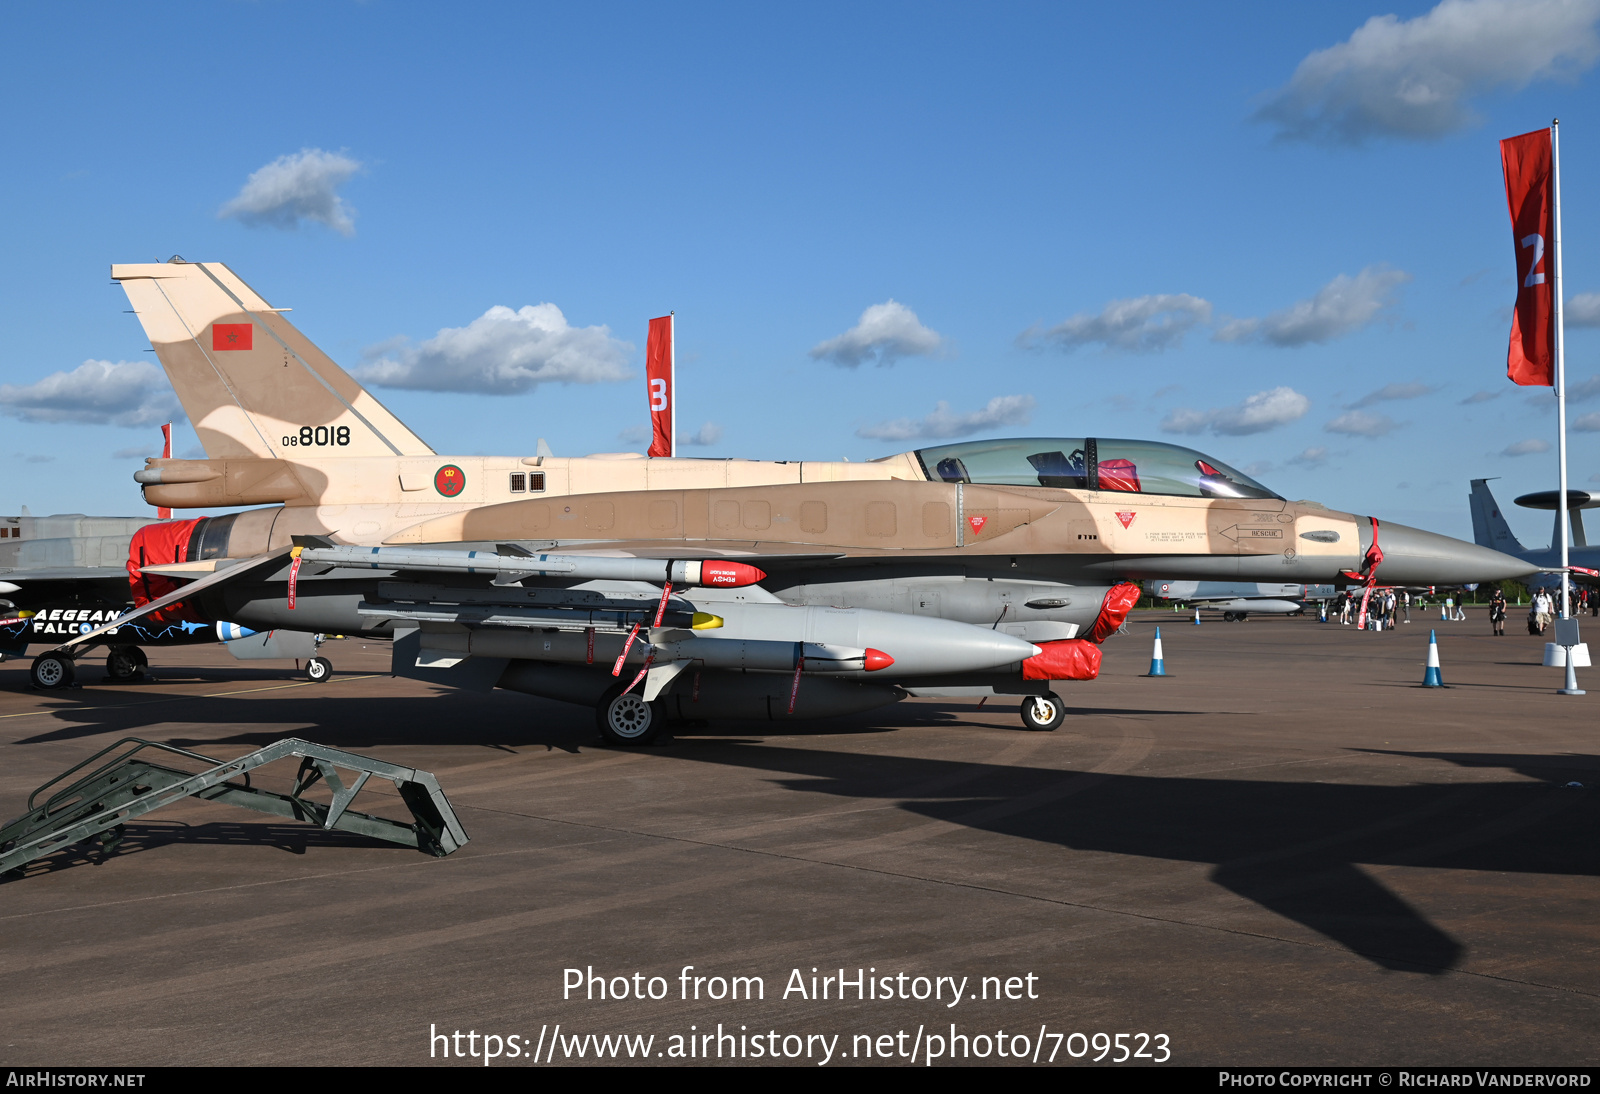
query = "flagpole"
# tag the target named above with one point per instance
(1561, 357)
(672, 409)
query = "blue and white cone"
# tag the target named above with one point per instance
(1158, 667)
(1197, 617)
(1432, 678)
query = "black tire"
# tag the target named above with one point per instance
(628, 719)
(1240, 617)
(125, 662)
(1043, 712)
(319, 670)
(52, 671)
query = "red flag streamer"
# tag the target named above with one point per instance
(590, 632)
(1369, 569)
(162, 511)
(1527, 162)
(799, 663)
(294, 577)
(647, 661)
(661, 608)
(658, 370)
(623, 656)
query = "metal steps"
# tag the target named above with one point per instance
(131, 784)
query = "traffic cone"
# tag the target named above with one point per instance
(1197, 617)
(1157, 665)
(1431, 678)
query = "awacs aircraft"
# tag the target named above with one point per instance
(1489, 529)
(68, 574)
(728, 588)
(1237, 599)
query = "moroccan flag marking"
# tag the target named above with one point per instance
(232, 336)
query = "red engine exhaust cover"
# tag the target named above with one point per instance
(153, 545)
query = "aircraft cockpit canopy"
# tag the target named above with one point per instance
(1090, 463)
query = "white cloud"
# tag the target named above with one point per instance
(1311, 458)
(1391, 392)
(1480, 397)
(1588, 423)
(1260, 412)
(1583, 310)
(941, 424)
(1360, 423)
(128, 393)
(1342, 306)
(135, 451)
(710, 433)
(297, 187)
(887, 332)
(502, 352)
(1412, 78)
(1140, 324)
(636, 434)
(1526, 448)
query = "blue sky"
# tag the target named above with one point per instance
(1001, 174)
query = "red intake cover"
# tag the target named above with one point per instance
(730, 575)
(1113, 610)
(1066, 659)
(154, 545)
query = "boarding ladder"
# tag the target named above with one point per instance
(132, 783)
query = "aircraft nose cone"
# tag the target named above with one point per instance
(1414, 557)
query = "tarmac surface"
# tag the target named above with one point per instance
(1284, 853)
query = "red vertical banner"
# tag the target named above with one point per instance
(658, 373)
(1526, 161)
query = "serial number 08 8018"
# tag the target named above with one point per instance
(323, 436)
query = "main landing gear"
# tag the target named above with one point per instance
(627, 719)
(1043, 712)
(1235, 617)
(125, 663)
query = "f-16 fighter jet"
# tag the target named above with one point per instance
(68, 574)
(675, 588)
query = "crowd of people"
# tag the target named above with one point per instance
(1387, 608)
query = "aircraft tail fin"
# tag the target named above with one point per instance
(1489, 528)
(251, 383)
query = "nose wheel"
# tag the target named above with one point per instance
(52, 671)
(319, 670)
(1043, 712)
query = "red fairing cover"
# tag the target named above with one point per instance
(1066, 659)
(1113, 610)
(153, 545)
(1119, 475)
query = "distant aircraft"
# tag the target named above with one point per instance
(1236, 600)
(1489, 529)
(726, 588)
(68, 574)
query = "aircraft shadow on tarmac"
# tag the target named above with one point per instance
(1293, 848)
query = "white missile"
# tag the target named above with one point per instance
(682, 572)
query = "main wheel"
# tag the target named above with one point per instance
(1228, 617)
(628, 719)
(125, 662)
(52, 671)
(319, 670)
(1043, 712)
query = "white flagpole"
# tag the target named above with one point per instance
(1561, 357)
(672, 408)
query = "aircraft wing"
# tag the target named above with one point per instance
(66, 573)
